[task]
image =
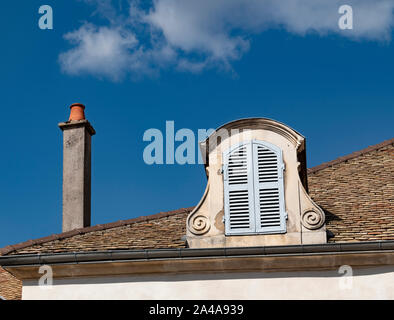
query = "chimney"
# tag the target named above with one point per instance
(77, 137)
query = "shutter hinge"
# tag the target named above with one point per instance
(224, 172)
(282, 168)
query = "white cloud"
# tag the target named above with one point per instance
(192, 35)
(99, 51)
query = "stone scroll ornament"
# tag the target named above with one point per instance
(199, 224)
(312, 219)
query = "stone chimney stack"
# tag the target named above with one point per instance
(77, 137)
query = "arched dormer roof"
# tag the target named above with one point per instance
(292, 135)
(297, 139)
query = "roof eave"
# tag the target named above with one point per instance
(194, 261)
(179, 253)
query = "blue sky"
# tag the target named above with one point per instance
(201, 69)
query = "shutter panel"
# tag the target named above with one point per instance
(269, 191)
(238, 190)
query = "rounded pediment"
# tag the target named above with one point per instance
(250, 124)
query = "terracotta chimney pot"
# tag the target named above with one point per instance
(77, 112)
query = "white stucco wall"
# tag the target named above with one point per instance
(373, 283)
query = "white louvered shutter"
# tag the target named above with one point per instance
(268, 188)
(238, 190)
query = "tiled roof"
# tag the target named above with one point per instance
(351, 156)
(10, 287)
(357, 194)
(162, 230)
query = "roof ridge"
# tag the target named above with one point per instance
(68, 234)
(351, 156)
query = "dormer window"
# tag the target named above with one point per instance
(253, 189)
(250, 198)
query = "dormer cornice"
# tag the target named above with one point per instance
(280, 128)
